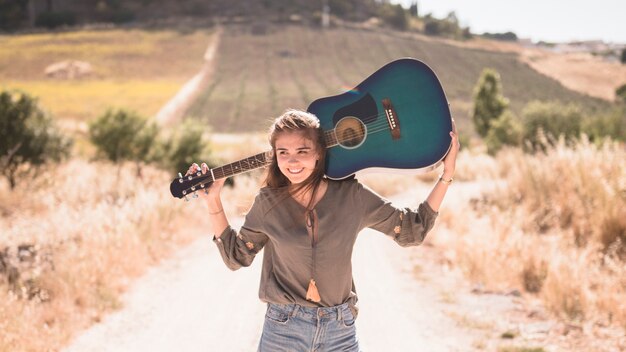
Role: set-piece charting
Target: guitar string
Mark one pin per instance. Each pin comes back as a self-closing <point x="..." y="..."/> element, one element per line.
<point x="374" y="127"/>
<point x="375" y="124"/>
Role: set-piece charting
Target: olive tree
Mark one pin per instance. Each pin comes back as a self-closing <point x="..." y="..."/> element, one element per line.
<point x="28" y="137"/>
<point x="121" y="135"/>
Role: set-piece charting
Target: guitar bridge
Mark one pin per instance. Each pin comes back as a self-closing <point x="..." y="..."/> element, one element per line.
<point x="392" y="119"/>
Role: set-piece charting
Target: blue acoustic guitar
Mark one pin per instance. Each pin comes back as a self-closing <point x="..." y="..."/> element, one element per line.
<point x="398" y="118"/>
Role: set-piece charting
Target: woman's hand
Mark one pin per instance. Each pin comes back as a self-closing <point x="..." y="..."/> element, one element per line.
<point x="219" y="222"/>
<point x="449" y="162"/>
<point x="212" y="195"/>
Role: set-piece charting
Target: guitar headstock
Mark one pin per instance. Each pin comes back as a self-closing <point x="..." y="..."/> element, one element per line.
<point x="189" y="185"/>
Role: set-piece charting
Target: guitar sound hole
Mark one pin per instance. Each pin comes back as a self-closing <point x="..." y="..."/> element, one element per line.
<point x="350" y="138"/>
<point x="350" y="132"/>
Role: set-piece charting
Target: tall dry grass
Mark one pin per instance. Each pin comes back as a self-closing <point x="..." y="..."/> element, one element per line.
<point x="555" y="228"/>
<point x="72" y="241"/>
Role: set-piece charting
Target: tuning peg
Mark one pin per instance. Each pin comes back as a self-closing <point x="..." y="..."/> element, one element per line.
<point x="206" y="191"/>
<point x="195" y="195"/>
<point x="186" y="199"/>
<point x="180" y="175"/>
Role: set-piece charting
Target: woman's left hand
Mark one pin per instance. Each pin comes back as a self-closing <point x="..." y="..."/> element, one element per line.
<point x="449" y="162"/>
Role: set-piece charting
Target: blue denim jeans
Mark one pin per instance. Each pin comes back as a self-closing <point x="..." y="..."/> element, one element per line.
<point x="294" y="328"/>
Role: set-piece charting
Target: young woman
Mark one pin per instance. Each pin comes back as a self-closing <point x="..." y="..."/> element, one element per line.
<point x="308" y="225"/>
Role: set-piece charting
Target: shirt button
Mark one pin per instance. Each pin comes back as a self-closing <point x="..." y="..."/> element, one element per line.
<point x="320" y="313"/>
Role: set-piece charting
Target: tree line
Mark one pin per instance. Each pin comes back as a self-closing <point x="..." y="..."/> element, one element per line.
<point x="24" y="14"/>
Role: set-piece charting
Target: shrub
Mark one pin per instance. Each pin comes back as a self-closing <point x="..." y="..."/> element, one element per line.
<point x="27" y="136"/>
<point x="620" y="93"/>
<point x="610" y="125"/>
<point x="12" y="14"/>
<point x="489" y="103"/>
<point x="187" y="145"/>
<point x="447" y="27"/>
<point x="55" y="19"/>
<point x="546" y="121"/>
<point x="184" y="147"/>
<point x="121" y="135"/>
<point x="395" y="16"/>
<point x="507" y="36"/>
<point x="505" y="130"/>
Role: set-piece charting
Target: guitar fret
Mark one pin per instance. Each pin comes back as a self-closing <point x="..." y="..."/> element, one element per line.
<point x="240" y="166"/>
<point x="330" y="138"/>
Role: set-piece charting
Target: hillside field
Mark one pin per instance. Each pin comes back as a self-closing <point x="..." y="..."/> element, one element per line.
<point x="257" y="75"/>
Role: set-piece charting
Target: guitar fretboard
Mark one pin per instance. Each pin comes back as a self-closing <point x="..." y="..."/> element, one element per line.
<point x="330" y="137"/>
<point x="241" y="166"/>
<point x="260" y="160"/>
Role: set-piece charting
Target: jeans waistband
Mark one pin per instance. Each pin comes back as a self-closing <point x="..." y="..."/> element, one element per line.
<point x="313" y="313"/>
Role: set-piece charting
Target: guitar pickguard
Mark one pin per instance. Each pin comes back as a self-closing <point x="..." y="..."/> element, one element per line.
<point x="364" y="109"/>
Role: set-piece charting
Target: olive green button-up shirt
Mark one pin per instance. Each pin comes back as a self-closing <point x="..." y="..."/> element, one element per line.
<point x="291" y="259"/>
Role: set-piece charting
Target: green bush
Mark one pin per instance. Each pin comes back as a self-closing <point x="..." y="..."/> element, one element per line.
<point x="395" y="16"/>
<point x="489" y="103"/>
<point x="507" y="36"/>
<point x="445" y="27"/>
<point x="55" y="19"/>
<point x="28" y="137"/>
<point x="546" y="121"/>
<point x="620" y="93"/>
<point x="610" y="125"/>
<point x="185" y="146"/>
<point x="505" y="130"/>
<point x="12" y="14"/>
<point x="121" y="135"/>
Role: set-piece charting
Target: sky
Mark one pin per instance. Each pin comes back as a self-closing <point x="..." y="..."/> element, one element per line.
<point x="547" y="20"/>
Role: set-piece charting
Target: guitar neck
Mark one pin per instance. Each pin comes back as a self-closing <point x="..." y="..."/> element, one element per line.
<point x="259" y="160"/>
<point x="330" y="138"/>
<point x="244" y="165"/>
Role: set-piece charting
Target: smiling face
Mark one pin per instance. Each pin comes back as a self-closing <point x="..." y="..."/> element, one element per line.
<point x="296" y="156"/>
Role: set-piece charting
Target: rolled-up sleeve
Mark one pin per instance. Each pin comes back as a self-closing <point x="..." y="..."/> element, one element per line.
<point x="408" y="227"/>
<point x="239" y="249"/>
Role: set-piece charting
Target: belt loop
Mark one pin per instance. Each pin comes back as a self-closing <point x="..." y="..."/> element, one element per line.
<point x="294" y="311"/>
<point x="339" y="313"/>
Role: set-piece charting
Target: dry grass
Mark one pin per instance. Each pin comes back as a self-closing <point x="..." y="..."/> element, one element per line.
<point x="85" y="233"/>
<point x="580" y="72"/>
<point x="556" y="230"/>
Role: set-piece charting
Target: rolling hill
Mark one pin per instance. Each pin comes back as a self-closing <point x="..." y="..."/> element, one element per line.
<point x="288" y="66"/>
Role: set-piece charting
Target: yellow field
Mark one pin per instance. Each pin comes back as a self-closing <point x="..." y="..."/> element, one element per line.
<point x="133" y="69"/>
<point x="84" y="100"/>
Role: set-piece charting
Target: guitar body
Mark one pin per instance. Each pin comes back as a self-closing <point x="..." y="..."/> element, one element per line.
<point x="398" y="118"/>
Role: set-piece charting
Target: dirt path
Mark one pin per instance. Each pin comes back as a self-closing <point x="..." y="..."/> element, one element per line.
<point x="174" y="110"/>
<point x="193" y="303"/>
